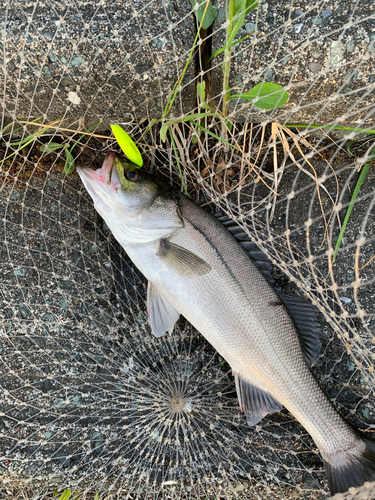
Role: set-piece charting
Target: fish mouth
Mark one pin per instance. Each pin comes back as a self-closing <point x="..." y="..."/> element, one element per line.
<point x="101" y="179"/>
<point x="102" y="174"/>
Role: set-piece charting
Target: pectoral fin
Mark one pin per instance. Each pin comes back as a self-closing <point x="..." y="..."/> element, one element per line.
<point x="163" y="315"/>
<point x="182" y="261"/>
<point x="254" y="402"/>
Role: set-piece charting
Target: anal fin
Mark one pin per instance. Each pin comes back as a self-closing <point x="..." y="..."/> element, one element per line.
<point x="254" y="402"/>
<point x="163" y="314"/>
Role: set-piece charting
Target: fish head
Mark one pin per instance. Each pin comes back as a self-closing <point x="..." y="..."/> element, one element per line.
<point x="119" y="186"/>
<point x="135" y="205"/>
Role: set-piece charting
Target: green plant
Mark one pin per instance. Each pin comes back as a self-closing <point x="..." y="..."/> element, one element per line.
<point x="204" y="16"/>
<point x="27" y="140"/>
<point x="70" y="160"/>
<point x="364" y="170"/>
<point x="265" y="95"/>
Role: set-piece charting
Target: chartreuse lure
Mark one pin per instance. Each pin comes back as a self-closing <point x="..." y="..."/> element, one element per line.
<point x="127" y="145"/>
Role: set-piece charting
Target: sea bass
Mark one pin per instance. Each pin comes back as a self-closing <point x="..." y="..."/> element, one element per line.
<point x="196" y="268"/>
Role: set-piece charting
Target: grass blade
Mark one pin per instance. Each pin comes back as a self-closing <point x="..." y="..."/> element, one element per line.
<point x="178" y="163"/>
<point x="360" y="180"/>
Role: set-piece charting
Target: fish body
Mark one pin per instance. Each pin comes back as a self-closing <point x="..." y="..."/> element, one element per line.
<point x="196" y="268"/>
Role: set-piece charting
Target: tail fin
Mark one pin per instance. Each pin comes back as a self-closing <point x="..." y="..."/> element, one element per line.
<point x="355" y="470"/>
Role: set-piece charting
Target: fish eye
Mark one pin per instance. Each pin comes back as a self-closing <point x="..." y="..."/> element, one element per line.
<point x="133" y="174"/>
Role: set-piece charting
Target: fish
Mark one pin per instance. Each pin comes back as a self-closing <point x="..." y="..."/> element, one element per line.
<point x="196" y="268"/>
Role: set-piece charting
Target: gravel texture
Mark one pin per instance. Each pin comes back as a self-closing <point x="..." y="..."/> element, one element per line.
<point x="95" y="59"/>
<point x="323" y="54"/>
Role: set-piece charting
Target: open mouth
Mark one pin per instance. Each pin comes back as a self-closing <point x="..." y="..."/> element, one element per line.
<point x="98" y="181"/>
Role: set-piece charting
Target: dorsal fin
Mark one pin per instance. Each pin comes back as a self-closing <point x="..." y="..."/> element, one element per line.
<point x="259" y="257"/>
<point x="305" y="316"/>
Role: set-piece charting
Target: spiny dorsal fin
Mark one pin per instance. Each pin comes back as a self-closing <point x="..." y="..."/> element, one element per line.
<point x="258" y="256"/>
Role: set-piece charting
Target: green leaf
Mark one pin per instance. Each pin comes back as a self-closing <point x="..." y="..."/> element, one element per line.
<point x="163" y="131"/>
<point x="178" y="162"/>
<point x="77" y="496"/>
<point x="219" y="51"/>
<point x="241" y="9"/>
<point x="65" y="495"/>
<point x="201" y="89"/>
<point x="52" y="146"/>
<point x="218" y="138"/>
<point x="211" y="12"/>
<point x="96" y="496"/>
<point x="268" y="95"/>
<point x="358" y="185"/>
<point x="245" y="6"/>
<point x="70" y="163"/>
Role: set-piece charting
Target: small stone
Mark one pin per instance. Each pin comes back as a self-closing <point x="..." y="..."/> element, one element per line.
<point x="8" y="313"/>
<point x="270" y="17"/>
<point x="250" y="28"/>
<point x="66" y="284"/>
<point x="315" y="67"/>
<point x="19" y="272"/>
<point x="47" y="434"/>
<point x="326" y="13"/>
<point x="63" y="60"/>
<point x="74" y="98"/>
<point x="15" y="196"/>
<point x="45" y="329"/>
<point x="350" y="46"/>
<point x="297" y="13"/>
<point x="366" y="412"/>
<point x="371" y="45"/>
<point x="69" y="240"/>
<point x="61" y="456"/>
<point x="47" y="317"/>
<point x="236" y="487"/>
<point x="316" y="54"/>
<point x="158" y="43"/>
<point x="67" y="82"/>
<point x="346" y="300"/>
<point x="46" y="71"/>
<point x="94" y="249"/>
<point x="25" y="311"/>
<point x="60" y="403"/>
<point x="337" y="53"/>
<point x="269" y="75"/>
<point x="76" y="61"/>
<point x="351" y="366"/>
<point x="317" y="20"/>
<point x="286" y="60"/>
<point x="50" y="186"/>
<point x="97" y="442"/>
<point x="63" y="304"/>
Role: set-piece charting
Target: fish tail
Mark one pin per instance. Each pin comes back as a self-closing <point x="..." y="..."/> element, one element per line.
<point x="353" y="468"/>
